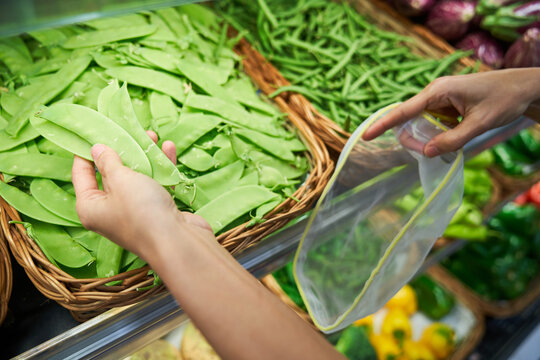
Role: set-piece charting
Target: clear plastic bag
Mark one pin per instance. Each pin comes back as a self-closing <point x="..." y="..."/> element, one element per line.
<point x="376" y="221"/>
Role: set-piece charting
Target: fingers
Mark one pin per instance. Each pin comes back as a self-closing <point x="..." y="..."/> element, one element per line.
<point x="169" y="149"/>
<point x="456" y="138"/>
<point x="399" y="115"/>
<point x="152" y="135"/>
<point x="83" y="176"/>
<point x="106" y="159"/>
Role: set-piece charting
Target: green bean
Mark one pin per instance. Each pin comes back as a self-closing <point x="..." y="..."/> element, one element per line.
<point x="36" y="165"/>
<point x="226" y="208"/>
<point x="446" y="62"/>
<point x="55" y="199"/>
<point x="341" y="64"/>
<point x="298" y="89"/>
<point x="27" y="205"/>
<point x="415" y="71"/>
<point x="105" y="131"/>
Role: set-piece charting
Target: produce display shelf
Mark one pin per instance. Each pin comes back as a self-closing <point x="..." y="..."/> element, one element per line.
<point x="118" y="332"/>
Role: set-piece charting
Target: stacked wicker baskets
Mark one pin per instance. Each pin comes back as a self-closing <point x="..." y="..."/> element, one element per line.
<point x="6" y="278"/>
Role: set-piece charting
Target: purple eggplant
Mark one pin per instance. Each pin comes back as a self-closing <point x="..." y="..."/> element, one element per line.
<point x="524" y="52"/>
<point x="451" y="18"/>
<point x="413" y="7"/>
<point x="508" y="22"/>
<point x="485" y="48"/>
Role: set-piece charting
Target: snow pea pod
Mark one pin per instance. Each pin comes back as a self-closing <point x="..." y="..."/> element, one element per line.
<point x="36" y="165"/>
<point x="12" y="58"/>
<point x="48" y="91"/>
<point x="249" y="152"/>
<point x="152" y="79"/>
<point x="197" y="74"/>
<point x="235" y="114"/>
<point x="8" y="142"/>
<point x="88" y="239"/>
<point x="60" y="246"/>
<point x="48" y="147"/>
<point x="53" y="198"/>
<point x="61" y="137"/>
<point x="117" y="22"/>
<point x="226" y="208"/>
<point x="197" y="159"/>
<point x="225" y="156"/>
<point x="28" y="206"/>
<point x="108" y="258"/>
<point x="121" y="111"/>
<point x="242" y="90"/>
<point x="48" y="37"/>
<point x="275" y="146"/>
<point x="189" y="129"/>
<point x="163" y="109"/>
<point x="142" y="110"/>
<point x="102" y="37"/>
<point x="210" y="186"/>
<point x="103" y="131"/>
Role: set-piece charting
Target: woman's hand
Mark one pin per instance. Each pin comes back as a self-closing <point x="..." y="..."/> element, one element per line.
<point x="485" y="100"/>
<point x="132" y="210"/>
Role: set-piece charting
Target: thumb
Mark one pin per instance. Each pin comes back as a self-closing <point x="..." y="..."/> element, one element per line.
<point x="106" y="159"/>
<point x="454" y="139"/>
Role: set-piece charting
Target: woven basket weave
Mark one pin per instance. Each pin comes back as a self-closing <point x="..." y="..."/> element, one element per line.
<point x="86" y="298"/>
<point x="6" y="278"/>
<point x="385" y="17"/>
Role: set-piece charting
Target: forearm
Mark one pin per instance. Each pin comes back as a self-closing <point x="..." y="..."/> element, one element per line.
<point x="532" y="88"/>
<point x="237" y="315"/>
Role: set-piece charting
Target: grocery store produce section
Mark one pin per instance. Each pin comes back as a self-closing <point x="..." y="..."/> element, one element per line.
<point x="258" y="98"/>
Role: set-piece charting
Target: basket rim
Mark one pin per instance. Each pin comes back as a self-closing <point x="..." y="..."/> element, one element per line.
<point x="86" y="298"/>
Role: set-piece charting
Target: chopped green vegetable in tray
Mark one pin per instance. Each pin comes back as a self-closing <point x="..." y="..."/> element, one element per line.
<point x="347" y="67"/>
<point x="106" y="81"/>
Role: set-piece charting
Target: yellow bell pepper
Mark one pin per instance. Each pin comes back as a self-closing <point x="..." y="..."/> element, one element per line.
<point x="367" y="322"/>
<point x="385" y="347"/>
<point x="440" y="338"/>
<point x="404" y="299"/>
<point x="414" y="350"/>
<point x="397" y="325"/>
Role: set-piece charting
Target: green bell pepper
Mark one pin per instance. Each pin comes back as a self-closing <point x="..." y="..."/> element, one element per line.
<point x="525" y="143"/>
<point x="511" y="161"/>
<point x="433" y="300"/>
<point x="520" y="219"/>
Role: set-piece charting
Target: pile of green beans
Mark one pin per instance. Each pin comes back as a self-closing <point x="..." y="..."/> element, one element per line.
<point x="347" y="67"/>
<point x="106" y="81"/>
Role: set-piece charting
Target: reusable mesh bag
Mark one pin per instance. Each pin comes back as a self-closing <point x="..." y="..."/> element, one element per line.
<point x="376" y="221"/>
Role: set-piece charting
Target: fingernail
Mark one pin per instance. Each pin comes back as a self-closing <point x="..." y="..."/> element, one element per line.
<point x="431" y="151"/>
<point x="97" y="150"/>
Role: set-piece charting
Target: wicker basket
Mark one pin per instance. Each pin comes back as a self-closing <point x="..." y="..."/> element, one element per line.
<point x="497" y="309"/>
<point x="6" y="277"/>
<point x="465" y="347"/>
<point x="425" y="44"/>
<point x="86" y="298"/>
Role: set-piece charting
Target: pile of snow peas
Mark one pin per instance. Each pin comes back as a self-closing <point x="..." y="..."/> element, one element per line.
<point x="347" y="67"/>
<point x="106" y="81"/>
